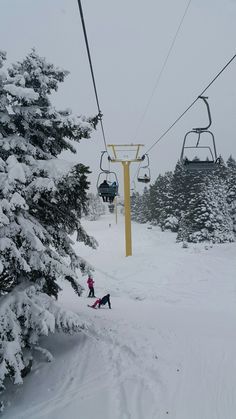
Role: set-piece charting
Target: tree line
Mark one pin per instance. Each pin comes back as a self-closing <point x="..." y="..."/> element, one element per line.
<point x="198" y="206"/>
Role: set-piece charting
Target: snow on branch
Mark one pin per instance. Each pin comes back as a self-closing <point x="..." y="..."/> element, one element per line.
<point x="21" y="92"/>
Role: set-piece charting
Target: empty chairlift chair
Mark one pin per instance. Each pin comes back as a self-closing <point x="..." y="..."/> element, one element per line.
<point x="144" y="174"/>
<point x="199" y="149"/>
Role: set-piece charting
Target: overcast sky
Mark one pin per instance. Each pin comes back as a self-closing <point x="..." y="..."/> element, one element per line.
<point x="129" y="41"/>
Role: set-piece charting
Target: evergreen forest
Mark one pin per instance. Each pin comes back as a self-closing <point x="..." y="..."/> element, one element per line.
<point x="199" y="206"/>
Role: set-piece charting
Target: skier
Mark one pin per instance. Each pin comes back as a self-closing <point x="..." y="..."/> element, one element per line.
<point x="104" y="195"/>
<point x="102" y="301"/>
<point x="90" y="283"/>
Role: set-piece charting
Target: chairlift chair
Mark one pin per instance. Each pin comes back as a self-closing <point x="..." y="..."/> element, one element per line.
<point x="110" y="189"/>
<point x="144" y="174"/>
<point x="198" y="163"/>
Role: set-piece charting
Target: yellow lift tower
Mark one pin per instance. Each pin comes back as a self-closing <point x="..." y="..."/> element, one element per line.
<point x="126" y="154"/>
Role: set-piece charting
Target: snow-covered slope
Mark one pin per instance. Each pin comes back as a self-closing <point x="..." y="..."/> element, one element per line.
<point x="166" y="349"/>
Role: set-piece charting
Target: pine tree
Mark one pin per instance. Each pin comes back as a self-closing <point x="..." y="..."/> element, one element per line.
<point x="143" y="215"/>
<point x="220" y="170"/>
<point x="52" y="192"/>
<point x="231" y="189"/>
<point x="140" y="206"/>
<point x="155" y="206"/>
<point x="186" y="187"/>
<point x="95" y="208"/>
<point x="161" y="202"/>
<point x="135" y="203"/>
<point x="41" y="202"/>
<point x="179" y="190"/>
<point x="207" y="217"/>
<point x="7" y="131"/>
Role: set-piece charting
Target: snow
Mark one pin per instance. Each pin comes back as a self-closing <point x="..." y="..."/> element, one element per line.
<point x="21" y="92"/>
<point x="16" y="170"/>
<point x="166" y="349"/>
<point x="55" y="167"/>
<point x="17" y="201"/>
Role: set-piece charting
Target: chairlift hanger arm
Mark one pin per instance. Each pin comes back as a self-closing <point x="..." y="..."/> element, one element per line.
<point x="101" y="159"/>
<point x="146" y="156"/>
<point x="204" y="98"/>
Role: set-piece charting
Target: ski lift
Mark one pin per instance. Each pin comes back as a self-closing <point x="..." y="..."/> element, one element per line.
<point x="144" y="174"/>
<point x="107" y="183"/>
<point x="203" y="141"/>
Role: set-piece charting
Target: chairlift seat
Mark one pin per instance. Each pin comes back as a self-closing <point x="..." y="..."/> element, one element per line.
<point x="108" y="191"/>
<point x="193" y="165"/>
<point x="144" y="179"/>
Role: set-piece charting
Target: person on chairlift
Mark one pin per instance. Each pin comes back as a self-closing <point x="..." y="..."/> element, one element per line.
<point x="113" y="190"/>
<point x="104" y="184"/>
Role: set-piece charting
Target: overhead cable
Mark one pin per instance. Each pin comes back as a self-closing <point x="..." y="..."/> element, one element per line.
<point x="91" y="70"/>
<point x="193" y="103"/>
<point x="161" y="71"/>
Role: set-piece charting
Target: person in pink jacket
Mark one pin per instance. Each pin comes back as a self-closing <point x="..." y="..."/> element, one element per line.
<point x="90" y="283"/>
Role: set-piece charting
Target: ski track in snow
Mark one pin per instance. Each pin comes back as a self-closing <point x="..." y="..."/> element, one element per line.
<point x="167" y="347"/>
<point x="128" y="372"/>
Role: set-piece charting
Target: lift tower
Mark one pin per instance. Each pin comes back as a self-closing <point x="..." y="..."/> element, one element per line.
<point x="126" y="154"/>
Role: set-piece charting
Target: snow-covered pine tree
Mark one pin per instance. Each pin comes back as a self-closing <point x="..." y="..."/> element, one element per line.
<point x="231" y="189"/>
<point x="53" y="190"/>
<point x="41" y="200"/>
<point x="155" y="204"/>
<point x="207" y="217"/>
<point x="6" y="130"/>
<point x="143" y="215"/>
<point x="140" y="206"/>
<point x="135" y="203"/>
<point x="95" y="208"/>
<point x="179" y="190"/>
<point x="221" y="170"/>
<point x="161" y="202"/>
<point x="186" y="188"/>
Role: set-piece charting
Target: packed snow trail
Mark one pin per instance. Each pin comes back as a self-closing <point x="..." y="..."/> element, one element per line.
<point x="166" y="349"/>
